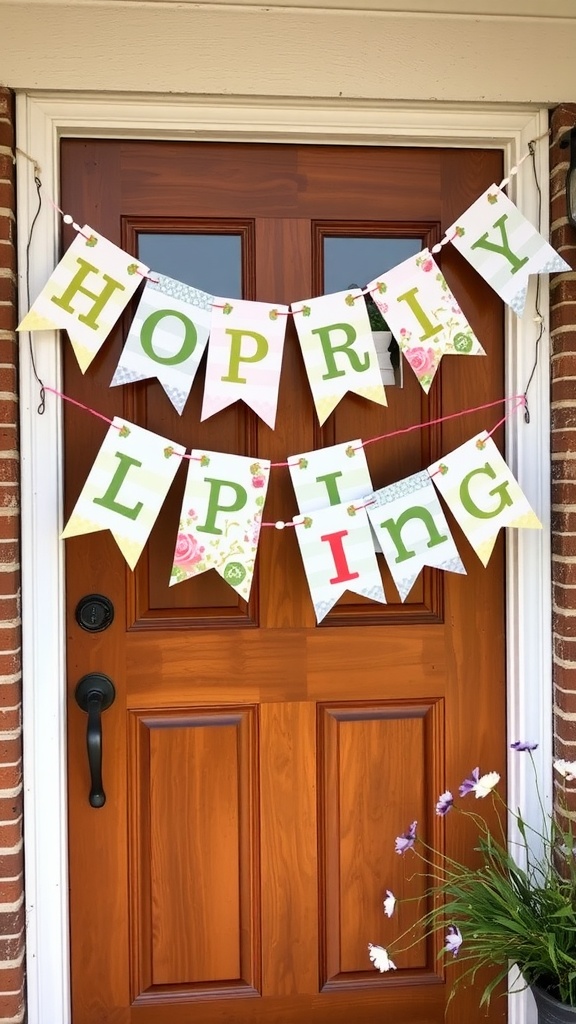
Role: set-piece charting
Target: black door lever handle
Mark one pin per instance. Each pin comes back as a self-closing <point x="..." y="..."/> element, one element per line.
<point x="94" y="693"/>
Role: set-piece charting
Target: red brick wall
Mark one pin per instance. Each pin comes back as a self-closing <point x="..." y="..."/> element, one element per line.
<point x="11" y="853"/>
<point x="563" y="425"/>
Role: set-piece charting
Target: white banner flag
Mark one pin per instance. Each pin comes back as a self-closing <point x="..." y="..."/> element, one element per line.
<point x="126" y="487"/>
<point x="338" y="555"/>
<point x="245" y="357"/>
<point x="503" y="246"/>
<point x="338" y="349"/>
<point x="481" y="493"/>
<point x="167" y="338"/>
<point x="412" y="529"/>
<point x="330" y="476"/>
<point x="221" y="518"/>
<point x="86" y="293"/>
<point x="424" y="315"/>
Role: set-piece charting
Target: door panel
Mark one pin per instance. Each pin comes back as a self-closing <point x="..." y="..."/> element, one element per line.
<point x="258" y="766"/>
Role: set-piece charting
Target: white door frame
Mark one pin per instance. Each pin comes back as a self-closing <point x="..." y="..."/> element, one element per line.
<point x="42" y="120"/>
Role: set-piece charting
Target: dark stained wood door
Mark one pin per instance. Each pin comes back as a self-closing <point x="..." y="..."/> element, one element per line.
<point x="258" y="766"/>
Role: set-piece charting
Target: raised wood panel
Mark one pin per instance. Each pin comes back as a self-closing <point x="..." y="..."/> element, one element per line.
<point x="194" y="837"/>
<point x="376" y="775"/>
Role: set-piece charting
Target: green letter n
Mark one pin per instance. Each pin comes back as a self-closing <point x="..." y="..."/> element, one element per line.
<point x="395" y="526"/>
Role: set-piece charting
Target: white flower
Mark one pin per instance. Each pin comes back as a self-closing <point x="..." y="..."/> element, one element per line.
<point x="567" y="769"/>
<point x="380" y="958"/>
<point x="486" y="784"/>
<point x="389" y="903"/>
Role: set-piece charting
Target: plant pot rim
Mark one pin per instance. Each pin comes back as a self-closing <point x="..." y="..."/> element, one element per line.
<point x="542" y="996"/>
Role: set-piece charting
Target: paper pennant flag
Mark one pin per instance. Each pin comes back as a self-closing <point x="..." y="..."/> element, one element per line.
<point x="167" y="338"/>
<point x="330" y="476"/>
<point x="245" y="357"/>
<point x="481" y="493"/>
<point x="126" y="487"/>
<point x="338" y="349"/>
<point x="338" y="555"/>
<point x="86" y="294"/>
<point x="412" y="529"/>
<point x="423" y="315"/>
<point x="221" y="518"/>
<point x="503" y="246"/>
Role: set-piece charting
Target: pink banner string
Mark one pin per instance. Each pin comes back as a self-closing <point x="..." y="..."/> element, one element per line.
<point x="519" y="400"/>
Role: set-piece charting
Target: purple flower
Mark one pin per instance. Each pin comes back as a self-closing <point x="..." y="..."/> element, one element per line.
<point x="406" y="840"/>
<point x="469" y="785"/>
<point x="523" y="745"/>
<point x="453" y="940"/>
<point x="445" y="803"/>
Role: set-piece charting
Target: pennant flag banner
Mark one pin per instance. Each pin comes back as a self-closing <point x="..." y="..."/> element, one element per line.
<point x="167" y="338"/>
<point x="175" y="322"/>
<point x="86" y="293"/>
<point x="412" y="529"/>
<point x="338" y="349"/>
<point x="221" y="518"/>
<point x="126" y="487"/>
<point x="330" y="476"/>
<point x="424" y="315"/>
<point x="245" y="357"/>
<point x="338" y="555"/>
<point x="503" y="246"/>
<point x="481" y="493"/>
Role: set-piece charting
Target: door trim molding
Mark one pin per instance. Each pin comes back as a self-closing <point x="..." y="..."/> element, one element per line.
<point x="43" y="118"/>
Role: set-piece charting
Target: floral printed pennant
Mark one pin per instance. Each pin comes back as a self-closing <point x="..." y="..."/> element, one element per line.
<point x="221" y="518"/>
<point x="423" y="315"/>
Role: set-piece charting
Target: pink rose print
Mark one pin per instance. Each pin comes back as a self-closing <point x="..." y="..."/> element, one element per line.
<point x="259" y="480"/>
<point x="422" y="360"/>
<point x="188" y="550"/>
<point x="427" y="265"/>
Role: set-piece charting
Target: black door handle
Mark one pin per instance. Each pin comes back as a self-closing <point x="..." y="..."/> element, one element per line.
<point x="94" y="693"/>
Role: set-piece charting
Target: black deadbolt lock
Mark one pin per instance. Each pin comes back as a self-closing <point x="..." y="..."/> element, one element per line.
<point x="94" y="613"/>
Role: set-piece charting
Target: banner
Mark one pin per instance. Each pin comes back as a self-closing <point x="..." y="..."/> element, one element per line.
<point x="221" y="518"/>
<point x="245" y="357"/>
<point x="409" y="522"/>
<point x="126" y="487"/>
<point x="86" y="293"/>
<point x="481" y="493"/>
<point x="338" y="555"/>
<point x="167" y="338"/>
<point x="330" y="476"/>
<point x="503" y="246"/>
<point x="423" y="315"/>
<point x="338" y="349"/>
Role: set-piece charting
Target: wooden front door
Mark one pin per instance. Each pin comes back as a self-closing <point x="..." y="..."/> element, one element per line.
<point x="258" y="767"/>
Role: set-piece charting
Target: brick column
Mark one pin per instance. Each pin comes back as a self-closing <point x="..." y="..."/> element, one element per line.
<point x="11" y="853"/>
<point x="563" y="426"/>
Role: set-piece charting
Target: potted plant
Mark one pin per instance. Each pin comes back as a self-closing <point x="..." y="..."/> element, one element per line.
<point x="510" y="907"/>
